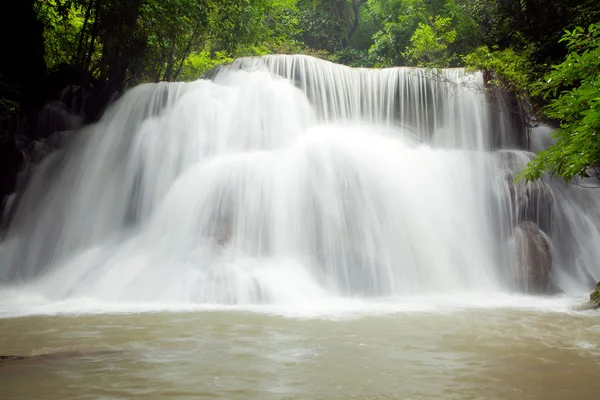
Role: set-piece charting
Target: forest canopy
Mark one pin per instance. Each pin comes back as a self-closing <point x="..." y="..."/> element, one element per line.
<point x="150" y="40"/>
<point x="109" y="45"/>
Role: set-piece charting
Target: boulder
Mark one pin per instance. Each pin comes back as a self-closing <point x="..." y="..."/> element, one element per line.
<point x="534" y="259"/>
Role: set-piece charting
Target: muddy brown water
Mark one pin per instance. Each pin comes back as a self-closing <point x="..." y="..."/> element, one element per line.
<point x="464" y="354"/>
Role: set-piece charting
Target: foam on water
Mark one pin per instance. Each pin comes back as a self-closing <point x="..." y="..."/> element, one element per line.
<point x="22" y="302"/>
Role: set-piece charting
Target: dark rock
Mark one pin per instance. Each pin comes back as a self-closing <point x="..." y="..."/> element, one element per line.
<point x="510" y="117"/>
<point x="12" y="358"/>
<point x="534" y="258"/>
<point x="534" y="201"/>
<point x="61" y="355"/>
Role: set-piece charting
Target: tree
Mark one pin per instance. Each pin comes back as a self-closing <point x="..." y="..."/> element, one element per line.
<point x="402" y="18"/>
<point x="405" y="18"/>
<point x="429" y="43"/>
<point x="355" y="18"/>
<point x="61" y="31"/>
<point x="329" y="24"/>
<point x="172" y="31"/>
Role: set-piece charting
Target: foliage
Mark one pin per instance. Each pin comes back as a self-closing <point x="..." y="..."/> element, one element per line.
<point x="197" y="64"/>
<point x="508" y="68"/>
<point x="576" y="82"/>
<point x="391" y="41"/>
<point x="429" y="43"/>
<point x="124" y="42"/>
<point x="171" y="29"/>
<point x="324" y="23"/>
<point x="9" y="103"/>
<point x="416" y="32"/>
<point x="354" y="58"/>
<point x="131" y="41"/>
<point x="281" y="23"/>
<point x="159" y="36"/>
<point x="61" y="28"/>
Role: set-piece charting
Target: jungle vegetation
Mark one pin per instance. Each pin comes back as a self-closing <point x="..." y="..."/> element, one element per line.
<point x="546" y="52"/>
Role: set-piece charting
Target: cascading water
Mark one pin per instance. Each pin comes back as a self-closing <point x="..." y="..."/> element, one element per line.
<point x="287" y="179"/>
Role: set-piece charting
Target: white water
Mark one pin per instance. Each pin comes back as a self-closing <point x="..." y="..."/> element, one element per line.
<point x="318" y="187"/>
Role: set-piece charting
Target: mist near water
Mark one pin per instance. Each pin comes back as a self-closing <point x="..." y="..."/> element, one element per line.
<point x="289" y="180"/>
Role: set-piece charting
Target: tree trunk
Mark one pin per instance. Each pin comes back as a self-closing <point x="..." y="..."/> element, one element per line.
<point x="94" y="35"/>
<point x="78" y="55"/>
<point x="186" y="53"/>
<point x="119" y="42"/>
<point x="356" y="5"/>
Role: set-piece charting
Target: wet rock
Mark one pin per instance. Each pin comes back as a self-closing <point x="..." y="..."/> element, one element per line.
<point x="594" y="302"/>
<point x="12" y="358"/>
<point x="534" y="201"/>
<point x="61" y="355"/>
<point x="534" y="259"/>
<point x="510" y="116"/>
<point x="529" y="201"/>
<point x="595" y="297"/>
<point x="55" y="117"/>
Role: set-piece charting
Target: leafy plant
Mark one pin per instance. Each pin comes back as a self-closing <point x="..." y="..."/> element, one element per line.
<point x="574" y="89"/>
<point x="508" y="69"/>
<point x="197" y="64"/>
<point x="429" y="43"/>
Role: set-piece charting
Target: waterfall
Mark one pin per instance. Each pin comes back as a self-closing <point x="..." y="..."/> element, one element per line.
<point x="290" y="179"/>
<point x="444" y="108"/>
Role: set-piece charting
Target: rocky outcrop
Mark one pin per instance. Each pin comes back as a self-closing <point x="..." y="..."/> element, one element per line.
<point x="534" y="259"/>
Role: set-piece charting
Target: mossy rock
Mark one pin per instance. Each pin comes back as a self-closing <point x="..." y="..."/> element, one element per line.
<point x="594" y="302"/>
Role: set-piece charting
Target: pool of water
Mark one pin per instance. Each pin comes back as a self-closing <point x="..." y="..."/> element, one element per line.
<point x="513" y="348"/>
